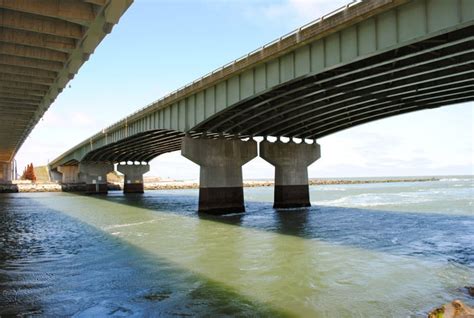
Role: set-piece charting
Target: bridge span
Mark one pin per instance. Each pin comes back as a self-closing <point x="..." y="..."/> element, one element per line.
<point x="369" y="60"/>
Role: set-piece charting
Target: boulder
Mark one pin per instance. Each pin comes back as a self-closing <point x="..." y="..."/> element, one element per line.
<point x="470" y="290"/>
<point x="455" y="309"/>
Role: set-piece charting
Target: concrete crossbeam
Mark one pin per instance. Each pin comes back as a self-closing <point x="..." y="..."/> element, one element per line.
<point x="34" y="39"/>
<point x="18" y="91"/>
<point x="19" y="102"/>
<point x="33" y="52"/>
<point x="26" y="86"/>
<point x="26" y="79"/>
<point x="133" y="177"/>
<point x="17" y="107"/>
<point x="31" y="63"/>
<point x="220" y="181"/>
<point x="25" y="71"/>
<point x="26" y="115"/>
<point x="291" y="161"/>
<point x="21" y="97"/>
<point x="33" y="23"/>
<point x="70" y="10"/>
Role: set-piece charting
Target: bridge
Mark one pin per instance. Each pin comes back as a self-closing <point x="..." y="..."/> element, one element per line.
<point x="366" y="61"/>
<point x="42" y="46"/>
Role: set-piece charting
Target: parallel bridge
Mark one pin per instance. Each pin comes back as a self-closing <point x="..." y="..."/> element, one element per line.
<point x="367" y="61"/>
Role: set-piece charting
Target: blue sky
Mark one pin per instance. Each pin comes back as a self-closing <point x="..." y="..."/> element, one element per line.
<point x="159" y="46"/>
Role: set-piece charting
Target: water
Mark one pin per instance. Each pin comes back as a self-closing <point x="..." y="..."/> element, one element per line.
<point x="368" y="250"/>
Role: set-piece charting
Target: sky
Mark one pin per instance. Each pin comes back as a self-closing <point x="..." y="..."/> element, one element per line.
<point x="159" y="46"/>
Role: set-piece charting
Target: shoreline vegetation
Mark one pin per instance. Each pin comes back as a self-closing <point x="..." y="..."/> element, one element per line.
<point x="153" y="184"/>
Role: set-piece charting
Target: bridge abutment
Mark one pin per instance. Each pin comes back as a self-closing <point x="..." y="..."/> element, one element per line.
<point x="95" y="176"/>
<point x="55" y="175"/>
<point x="220" y="181"/>
<point x="291" y="161"/>
<point x="69" y="174"/>
<point x="133" y="177"/>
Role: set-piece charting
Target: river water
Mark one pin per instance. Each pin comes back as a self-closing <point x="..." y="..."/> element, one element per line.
<point x="367" y="250"/>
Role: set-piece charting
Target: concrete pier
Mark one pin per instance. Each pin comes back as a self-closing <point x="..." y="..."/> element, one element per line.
<point x="95" y="176"/>
<point x="6" y="172"/>
<point x="221" y="161"/>
<point x="291" y="161"/>
<point x="133" y="177"/>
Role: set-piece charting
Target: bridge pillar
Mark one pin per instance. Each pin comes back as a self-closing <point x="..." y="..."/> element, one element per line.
<point x="221" y="161"/>
<point x="6" y="172"/>
<point x="133" y="177"/>
<point x="291" y="163"/>
<point x="69" y="174"/>
<point x="95" y="176"/>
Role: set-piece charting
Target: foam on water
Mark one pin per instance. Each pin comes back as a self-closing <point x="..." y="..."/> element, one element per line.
<point x="109" y="227"/>
<point x="373" y="200"/>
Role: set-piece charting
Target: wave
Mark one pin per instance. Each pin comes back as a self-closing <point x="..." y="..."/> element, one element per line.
<point x="330" y="188"/>
<point x="456" y="179"/>
<point x="371" y="200"/>
<point x="232" y="214"/>
<point x="115" y="226"/>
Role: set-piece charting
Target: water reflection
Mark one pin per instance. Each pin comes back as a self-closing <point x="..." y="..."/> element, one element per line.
<point x="293" y="222"/>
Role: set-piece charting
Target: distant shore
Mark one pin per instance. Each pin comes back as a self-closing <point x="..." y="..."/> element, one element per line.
<point x="169" y="185"/>
<point x="23" y="186"/>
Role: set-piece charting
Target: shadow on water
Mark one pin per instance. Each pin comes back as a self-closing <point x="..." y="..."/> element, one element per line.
<point x="440" y="237"/>
<point x="53" y="265"/>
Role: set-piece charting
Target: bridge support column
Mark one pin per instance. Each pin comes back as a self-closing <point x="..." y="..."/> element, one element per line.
<point x="70" y="174"/>
<point x="291" y="163"/>
<point x="221" y="161"/>
<point x="6" y="172"/>
<point x="133" y="177"/>
<point x="95" y="176"/>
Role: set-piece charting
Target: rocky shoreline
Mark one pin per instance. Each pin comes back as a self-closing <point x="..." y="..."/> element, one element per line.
<point x="175" y="185"/>
<point x="171" y="185"/>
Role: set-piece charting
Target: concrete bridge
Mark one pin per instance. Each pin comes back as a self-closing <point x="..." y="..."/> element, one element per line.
<point x="367" y="61"/>
<point x="42" y="46"/>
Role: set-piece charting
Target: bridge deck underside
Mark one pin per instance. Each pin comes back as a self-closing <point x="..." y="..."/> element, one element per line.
<point x="428" y="74"/>
<point x="42" y="46"/>
<point x="142" y="147"/>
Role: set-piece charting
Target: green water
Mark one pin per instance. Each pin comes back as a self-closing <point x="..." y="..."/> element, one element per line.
<point x="375" y="250"/>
